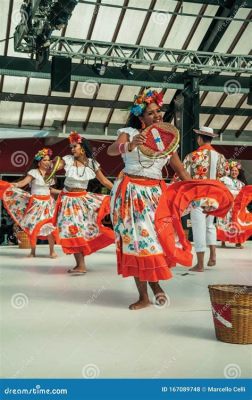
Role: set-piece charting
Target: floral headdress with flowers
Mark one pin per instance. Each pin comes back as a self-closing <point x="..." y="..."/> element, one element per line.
<point x="141" y="101"/>
<point x="233" y="164"/>
<point x="75" y="137"/>
<point x="43" y="153"/>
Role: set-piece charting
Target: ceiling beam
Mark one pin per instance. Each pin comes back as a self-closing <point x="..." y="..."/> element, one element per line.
<point x="113" y="104"/>
<point x="15" y="66"/>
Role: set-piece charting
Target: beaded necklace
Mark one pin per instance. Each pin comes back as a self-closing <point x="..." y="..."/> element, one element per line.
<point x="85" y="164"/>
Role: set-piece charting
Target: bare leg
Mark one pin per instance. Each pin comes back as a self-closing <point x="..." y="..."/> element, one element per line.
<point x="223" y="244"/>
<point x="33" y="252"/>
<point x="143" y="296"/>
<point x="212" y="258"/>
<point x="51" y="242"/>
<point x="199" y="267"/>
<point x="159" y="294"/>
<point x="80" y="264"/>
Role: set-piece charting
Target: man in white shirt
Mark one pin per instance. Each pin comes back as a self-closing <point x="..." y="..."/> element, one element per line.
<point x="204" y="163"/>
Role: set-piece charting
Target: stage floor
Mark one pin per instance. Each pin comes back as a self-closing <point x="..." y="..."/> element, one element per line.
<point x="58" y="326"/>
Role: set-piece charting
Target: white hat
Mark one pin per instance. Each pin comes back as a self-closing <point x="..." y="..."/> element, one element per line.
<point x="207" y="131"/>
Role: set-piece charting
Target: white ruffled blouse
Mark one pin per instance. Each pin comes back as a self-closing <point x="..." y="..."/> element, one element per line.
<point x="136" y="163"/>
<point x="78" y="177"/>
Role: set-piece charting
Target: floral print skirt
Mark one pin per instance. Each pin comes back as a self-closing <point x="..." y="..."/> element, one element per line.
<point x="78" y="217"/>
<point x="139" y="252"/>
<point x="33" y="213"/>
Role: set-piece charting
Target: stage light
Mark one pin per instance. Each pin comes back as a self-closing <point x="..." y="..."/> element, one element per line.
<point x="100" y="68"/>
<point x="127" y="71"/>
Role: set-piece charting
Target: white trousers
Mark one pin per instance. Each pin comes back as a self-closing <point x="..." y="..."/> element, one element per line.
<point x="204" y="231"/>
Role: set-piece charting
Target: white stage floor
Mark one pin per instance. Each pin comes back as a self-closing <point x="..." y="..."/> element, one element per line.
<point x="58" y="326"/>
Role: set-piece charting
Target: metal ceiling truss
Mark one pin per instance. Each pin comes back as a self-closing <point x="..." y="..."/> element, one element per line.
<point x="94" y="50"/>
<point x="14" y="66"/>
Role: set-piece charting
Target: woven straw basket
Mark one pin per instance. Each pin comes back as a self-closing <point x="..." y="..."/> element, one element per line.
<point x="23" y="240"/>
<point x="232" y="312"/>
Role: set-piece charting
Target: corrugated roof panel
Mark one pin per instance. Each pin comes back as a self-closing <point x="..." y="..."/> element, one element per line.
<point x="218" y="121"/>
<point x="14" y="84"/>
<point x="78" y="114"/>
<point x="128" y="93"/>
<point x="236" y="122"/>
<point x="54" y="113"/>
<point x="32" y="114"/>
<point x="38" y="86"/>
<point x="79" y="22"/>
<point x="203" y="118"/>
<point x="249" y="126"/>
<point x="202" y="28"/>
<point x="99" y="115"/>
<point x="212" y="99"/>
<point x="86" y="89"/>
<point x="107" y="92"/>
<point x="158" y="23"/>
<point x="232" y="99"/>
<point x="9" y="112"/>
<point x="131" y="26"/>
<point x="106" y="22"/>
<point x="231" y="32"/>
<point x="119" y="117"/>
<point x="180" y="29"/>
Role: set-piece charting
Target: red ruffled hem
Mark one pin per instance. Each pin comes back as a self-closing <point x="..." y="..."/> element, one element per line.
<point x="145" y="268"/>
<point x="85" y="247"/>
<point x="240" y="237"/>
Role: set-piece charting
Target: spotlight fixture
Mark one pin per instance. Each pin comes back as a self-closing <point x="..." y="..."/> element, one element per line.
<point x="100" y="68"/>
<point x="127" y="71"/>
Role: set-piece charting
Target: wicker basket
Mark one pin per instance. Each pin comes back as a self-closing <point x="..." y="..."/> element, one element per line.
<point x="23" y="240"/>
<point x="232" y="312"/>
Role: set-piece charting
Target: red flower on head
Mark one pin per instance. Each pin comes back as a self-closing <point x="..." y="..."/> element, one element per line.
<point x="75" y="137"/>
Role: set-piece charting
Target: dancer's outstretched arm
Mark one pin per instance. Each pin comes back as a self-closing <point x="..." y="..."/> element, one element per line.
<point x="104" y="181"/>
<point x="23" y="182"/>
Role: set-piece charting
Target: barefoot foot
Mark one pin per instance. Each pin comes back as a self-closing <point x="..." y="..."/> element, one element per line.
<point x="197" y="268"/>
<point x="31" y="255"/>
<point x="211" y="263"/>
<point x="140" y="304"/>
<point x="77" y="270"/>
<point x="53" y="255"/>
